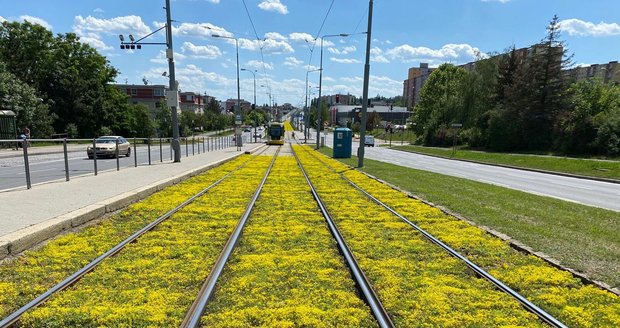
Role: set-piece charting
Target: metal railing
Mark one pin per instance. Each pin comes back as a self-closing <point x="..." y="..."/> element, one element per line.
<point x="65" y="146"/>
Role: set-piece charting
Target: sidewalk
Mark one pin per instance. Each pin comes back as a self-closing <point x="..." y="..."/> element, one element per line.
<point x="28" y="217"/>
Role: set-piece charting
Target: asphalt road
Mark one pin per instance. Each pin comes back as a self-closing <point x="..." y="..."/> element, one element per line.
<point x="588" y="192"/>
<point x="51" y="166"/>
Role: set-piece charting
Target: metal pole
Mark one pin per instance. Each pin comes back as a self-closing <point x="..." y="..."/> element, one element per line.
<point x="94" y="156"/>
<point x="306" y="112"/>
<point x="161" y="151"/>
<point x="148" y="146"/>
<point x="318" y="125"/>
<point x="26" y="164"/>
<point x="174" y="144"/>
<point x="360" y="149"/>
<point x="135" y="153"/>
<point x="118" y="164"/>
<point x="193" y="153"/>
<point x="238" y="112"/>
<point x="186" y="148"/>
<point x="64" y="150"/>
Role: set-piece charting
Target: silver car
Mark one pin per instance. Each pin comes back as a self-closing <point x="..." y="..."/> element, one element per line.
<point x="105" y="146"/>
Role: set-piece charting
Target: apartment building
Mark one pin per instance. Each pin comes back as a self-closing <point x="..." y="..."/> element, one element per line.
<point x="608" y="73"/>
<point x="147" y="95"/>
<point x="412" y="86"/>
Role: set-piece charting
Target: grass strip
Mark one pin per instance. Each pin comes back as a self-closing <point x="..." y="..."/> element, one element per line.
<point x="554" y="290"/>
<point x="289" y="264"/>
<point x="26" y="277"/>
<point x="579" y="166"/>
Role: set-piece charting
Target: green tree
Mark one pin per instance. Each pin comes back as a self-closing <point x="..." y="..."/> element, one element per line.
<point x="441" y="104"/>
<point x="163" y="120"/>
<point x="22" y="99"/>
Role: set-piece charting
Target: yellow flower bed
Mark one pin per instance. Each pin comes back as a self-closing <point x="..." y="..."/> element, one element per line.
<point x="554" y="290"/>
<point x="132" y="287"/>
<point x="287" y="126"/>
<point x="286" y="270"/>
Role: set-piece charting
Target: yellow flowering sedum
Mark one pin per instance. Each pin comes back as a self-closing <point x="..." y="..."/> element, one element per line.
<point x="554" y="290"/>
<point x="286" y="270"/>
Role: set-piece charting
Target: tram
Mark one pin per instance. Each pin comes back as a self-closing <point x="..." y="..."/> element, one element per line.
<point x="275" y="131"/>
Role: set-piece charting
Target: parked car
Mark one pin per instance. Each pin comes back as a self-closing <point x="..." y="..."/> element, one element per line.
<point x="257" y="135"/>
<point x="105" y="146"/>
<point x="369" y="141"/>
<point x="246" y="130"/>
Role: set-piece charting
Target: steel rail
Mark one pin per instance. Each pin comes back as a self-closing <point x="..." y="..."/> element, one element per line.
<point x="195" y="312"/>
<point x="14" y="317"/>
<point x="542" y="314"/>
<point x="364" y="285"/>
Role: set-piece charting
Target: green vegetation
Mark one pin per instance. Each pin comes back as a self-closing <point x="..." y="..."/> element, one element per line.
<point x="521" y="100"/>
<point x="586" y="167"/>
<point x="584" y="238"/>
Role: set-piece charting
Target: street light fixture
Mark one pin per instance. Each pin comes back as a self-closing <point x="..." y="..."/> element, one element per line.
<point x="238" y="115"/>
<point x="319" y="121"/>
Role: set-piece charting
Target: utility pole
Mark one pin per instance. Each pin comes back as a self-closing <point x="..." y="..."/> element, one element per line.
<point x="176" y="145"/>
<point x="360" y="149"/>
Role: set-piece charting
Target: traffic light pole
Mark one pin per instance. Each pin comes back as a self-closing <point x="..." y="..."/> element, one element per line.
<point x="176" y="145"/>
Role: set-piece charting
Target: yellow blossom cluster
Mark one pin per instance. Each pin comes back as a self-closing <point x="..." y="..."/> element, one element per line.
<point x="554" y="290"/>
<point x="286" y="270"/>
<point x="288" y="126"/>
<point x="152" y="281"/>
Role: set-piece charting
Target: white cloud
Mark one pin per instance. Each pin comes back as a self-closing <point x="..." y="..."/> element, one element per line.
<point x="119" y="25"/>
<point x="581" y="28"/>
<point x="345" y="60"/>
<point x="292" y="62"/>
<point x="269" y="46"/>
<point x="273" y="5"/>
<point x="214" y="1"/>
<point x="459" y="53"/>
<point x="344" y="51"/>
<point x="2" y="19"/>
<point x="161" y="57"/>
<point x="256" y="64"/>
<point x="376" y="55"/>
<point x="300" y="37"/>
<point x="98" y="11"/>
<point x="204" y="52"/>
<point x="35" y="20"/>
<point x="275" y="36"/>
<point x="201" y="30"/>
<point x="94" y="40"/>
<point x="500" y="1"/>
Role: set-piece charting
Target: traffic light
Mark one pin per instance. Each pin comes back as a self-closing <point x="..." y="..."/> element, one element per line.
<point x="253" y="106"/>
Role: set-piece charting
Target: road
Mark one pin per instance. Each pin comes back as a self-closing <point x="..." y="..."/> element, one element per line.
<point x="51" y="166"/>
<point x="588" y="192"/>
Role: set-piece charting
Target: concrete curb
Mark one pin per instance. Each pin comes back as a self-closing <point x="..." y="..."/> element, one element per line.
<point x="517" y="167"/>
<point x="24" y="239"/>
<point x="515" y="244"/>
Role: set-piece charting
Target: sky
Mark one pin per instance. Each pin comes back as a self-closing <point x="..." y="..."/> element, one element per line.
<point x="280" y="40"/>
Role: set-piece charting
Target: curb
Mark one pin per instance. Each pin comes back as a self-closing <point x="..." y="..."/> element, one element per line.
<point x="26" y="238"/>
<point x="515" y="244"/>
<point x="577" y="176"/>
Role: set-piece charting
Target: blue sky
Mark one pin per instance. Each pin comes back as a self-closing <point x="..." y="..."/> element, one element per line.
<point x="405" y="33"/>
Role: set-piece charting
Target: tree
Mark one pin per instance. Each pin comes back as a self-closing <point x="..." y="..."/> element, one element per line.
<point x="163" y="120"/>
<point x="22" y="99"/>
<point x="441" y="104"/>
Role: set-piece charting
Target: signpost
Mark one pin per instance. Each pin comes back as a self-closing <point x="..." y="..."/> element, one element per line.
<point x="457" y="126"/>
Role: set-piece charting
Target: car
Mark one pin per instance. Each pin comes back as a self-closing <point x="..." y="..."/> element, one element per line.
<point x="105" y="146"/>
<point x="369" y="141"/>
<point x="246" y="130"/>
<point x="257" y="135"/>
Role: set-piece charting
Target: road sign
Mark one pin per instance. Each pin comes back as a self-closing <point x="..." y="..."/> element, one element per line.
<point x="238" y="119"/>
<point x="457" y="125"/>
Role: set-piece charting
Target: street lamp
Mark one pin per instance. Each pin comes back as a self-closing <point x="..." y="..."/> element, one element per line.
<point x="360" y="149"/>
<point x="319" y="122"/>
<point x="254" y="105"/>
<point x="306" y="110"/>
<point x="238" y="111"/>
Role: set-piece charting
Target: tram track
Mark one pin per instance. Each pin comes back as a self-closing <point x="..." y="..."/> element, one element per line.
<point x="525" y="303"/>
<point x="71" y="280"/>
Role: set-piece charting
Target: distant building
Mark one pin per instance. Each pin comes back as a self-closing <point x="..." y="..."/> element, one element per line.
<point x="147" y="95"/>
<point x="194" y="102"/>
<point x="343" y="114"/>
<point x="412" y="86"/>
<point x="608" y="73"/>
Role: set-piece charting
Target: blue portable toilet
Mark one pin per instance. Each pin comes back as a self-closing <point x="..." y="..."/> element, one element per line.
<point x="343" y="139"/>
